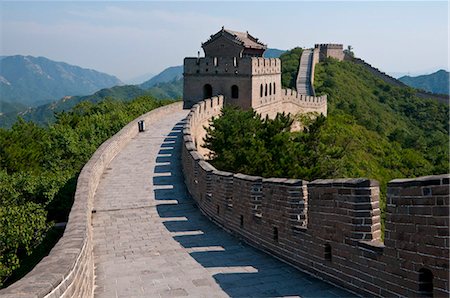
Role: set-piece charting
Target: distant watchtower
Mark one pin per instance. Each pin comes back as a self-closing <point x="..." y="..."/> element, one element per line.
<point x="234" y="67"/>
<point x="330" y="50"/>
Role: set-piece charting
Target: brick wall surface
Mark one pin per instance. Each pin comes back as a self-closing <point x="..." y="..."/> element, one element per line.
<point x="331" y="228"/>
<point x="68" y="270"/>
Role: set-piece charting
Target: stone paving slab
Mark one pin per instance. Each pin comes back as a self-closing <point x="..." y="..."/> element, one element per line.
<point x="151" y="241"/>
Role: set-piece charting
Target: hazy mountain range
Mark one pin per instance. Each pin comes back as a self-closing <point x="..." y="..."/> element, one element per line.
<point x="32" y="81"/>
<point x="45" y="114"/>
<point x="167" y="75"/>
<point x="36" y="88"/>
<point x="437" y="82"/>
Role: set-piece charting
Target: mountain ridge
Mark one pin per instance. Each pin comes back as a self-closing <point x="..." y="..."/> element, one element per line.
<point x="437" y="82"/>
<point x="45" y="114"/>
<point x="169" y="74"/>
<point x="33" y="81"/>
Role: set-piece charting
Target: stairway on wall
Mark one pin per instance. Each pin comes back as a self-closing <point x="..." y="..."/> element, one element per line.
<point x="303" y="83"/>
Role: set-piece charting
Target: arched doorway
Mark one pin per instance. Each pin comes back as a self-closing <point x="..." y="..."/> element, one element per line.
<point x="207" y="91"/>
<point x="234" y="91"/>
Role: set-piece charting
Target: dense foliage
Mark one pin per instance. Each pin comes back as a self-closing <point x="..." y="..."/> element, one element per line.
<point x="411" y="134"/>
<point x="240" y="141"/>
<point x="373" y="130"/>
<point x="290" y="62"/>
<point x="39" y="167"/>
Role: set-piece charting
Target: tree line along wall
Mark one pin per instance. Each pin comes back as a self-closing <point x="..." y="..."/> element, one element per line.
<point x="68" y="271"/>
<point x="330" y="228"/>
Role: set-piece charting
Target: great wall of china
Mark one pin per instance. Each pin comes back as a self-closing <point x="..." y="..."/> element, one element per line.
<point x="328" y="228"/>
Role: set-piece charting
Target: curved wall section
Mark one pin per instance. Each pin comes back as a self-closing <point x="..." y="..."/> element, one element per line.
<point x="330" y="228"/>
<point x="68" y="271"/>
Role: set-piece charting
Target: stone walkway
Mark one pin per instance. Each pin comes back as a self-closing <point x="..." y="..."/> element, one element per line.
<point x="151" y="241"/>
<point x="304" y="73"/>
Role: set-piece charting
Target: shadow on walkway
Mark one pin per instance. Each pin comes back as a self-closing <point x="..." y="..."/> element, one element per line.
<point x="240" y="270"/>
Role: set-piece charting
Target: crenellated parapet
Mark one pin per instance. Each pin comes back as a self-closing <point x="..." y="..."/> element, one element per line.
<point x="329" y="46"/>
<point x="331" y="227"/>
<point x="232" y="65"/>
<point x="304" y="100"/>
<point x="264" y="66"/>
<point x="292" y="102"/>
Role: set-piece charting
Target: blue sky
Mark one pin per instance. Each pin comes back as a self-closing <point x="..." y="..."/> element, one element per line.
<point x="128" y="39"/>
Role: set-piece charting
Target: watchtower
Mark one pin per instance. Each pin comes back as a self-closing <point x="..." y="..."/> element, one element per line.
<point x="234" y="67"/>
<point x="333" y="50"/>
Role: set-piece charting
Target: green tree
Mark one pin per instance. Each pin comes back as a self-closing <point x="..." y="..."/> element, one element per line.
<point x="290" y="61"/>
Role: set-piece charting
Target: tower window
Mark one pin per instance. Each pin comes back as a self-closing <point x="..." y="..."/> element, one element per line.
<point x="275" y="234"/>
<point x="207" y="91"/>
<point x="273" y="87"/>
<point x="261" y="91"/>
<point x="234" y="91"/>
<point x="270" y="89"/>
<point x="327" y="252"/>
<point x="426" y="282"/>
<point x="265" y="91"/>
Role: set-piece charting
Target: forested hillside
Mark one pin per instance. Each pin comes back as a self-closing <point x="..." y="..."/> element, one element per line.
<point x="38" y="172"/>
<point x="402" y="136"/>
<point x="372" y="130"/>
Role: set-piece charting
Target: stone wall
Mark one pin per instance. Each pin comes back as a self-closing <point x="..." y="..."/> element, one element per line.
<point x="296" y="103"/>
<point x="315" y="61"/>
<point x="68" y="271"/>
<point x="330" y="50"/>
<point x="330" y="228"/>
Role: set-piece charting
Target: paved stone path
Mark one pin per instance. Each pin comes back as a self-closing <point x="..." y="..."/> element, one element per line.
<point x="151" y="241"/>
<point x="304" y="73"/>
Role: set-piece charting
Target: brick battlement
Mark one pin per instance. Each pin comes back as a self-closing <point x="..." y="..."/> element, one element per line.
<point x="329" y="46"/>
<point x="231" y="65"/>
<point x="306" y="100"/>
<point x="292" y="102"/>
<point x="330" y="50"/>
<point x="330" y="228"/>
